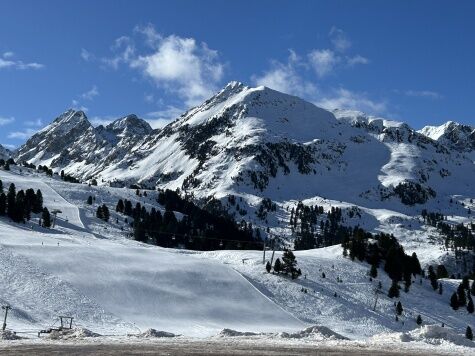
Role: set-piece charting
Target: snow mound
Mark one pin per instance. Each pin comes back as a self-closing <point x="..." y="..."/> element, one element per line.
<point x="429" y="334"/>
<point x="77" y="333"/>
<point x="315" y="332"/>
<point x="434" y="334"/>
<point x="156" y="333"/>
<point x="9" y="335"/>
<point x="234" y="333"/>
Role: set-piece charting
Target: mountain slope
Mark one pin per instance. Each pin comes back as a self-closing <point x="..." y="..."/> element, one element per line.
<point x="4" y="153"/>
<point x="256" y="143"/>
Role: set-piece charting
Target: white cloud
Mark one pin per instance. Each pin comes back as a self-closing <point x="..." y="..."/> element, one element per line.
<point x="90" y="94"/>
<point x="423" y="94"/>
<point x="152" y="37"/>
<point x="179" y="65"/>
<point x="101" y="120"/>
<point x="149" y="98"/>
<point x="9" y="146"/>
<point x="345" y="99"/>
<point x="76" y="105"/>
<point x="339" y="39"/>
<point x="284" y="77"/>
<point x="124" y="52"/>
<point x="35" y="123"/>
<point x="351" y="61"/>
<point x="323" y="61"/>
<point x="8" y="62"/>
<point x="86" y="55"/>
<point x="183" y="66"/>
<point x="6" y="120"/>
<point x="25" y="134"/>
<point x="161" y="118"/>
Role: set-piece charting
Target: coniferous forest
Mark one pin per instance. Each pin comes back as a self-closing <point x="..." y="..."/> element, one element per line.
<point x="206" y="228"/>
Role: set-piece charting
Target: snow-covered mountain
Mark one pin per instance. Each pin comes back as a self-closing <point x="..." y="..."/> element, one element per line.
<point x="452" y="134"/>
<point x="258" y="143"/>
<point x="4" y="153"/>
<point x="261" y="141"/>
<point x="72" y="143"/>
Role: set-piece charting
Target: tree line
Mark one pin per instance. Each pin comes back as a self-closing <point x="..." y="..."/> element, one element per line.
<point x="199" y="228"/>
<point x="19" y="206"/>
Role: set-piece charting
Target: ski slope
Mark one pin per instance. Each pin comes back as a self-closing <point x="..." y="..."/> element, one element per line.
<point x="120" y="286"/>
<point x="112" y="285"/>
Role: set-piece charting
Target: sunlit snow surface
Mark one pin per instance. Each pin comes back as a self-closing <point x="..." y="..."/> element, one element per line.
<point x="112" y="285"/>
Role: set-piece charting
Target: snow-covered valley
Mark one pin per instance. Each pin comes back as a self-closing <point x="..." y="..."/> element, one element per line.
<point x="89" y="269"/>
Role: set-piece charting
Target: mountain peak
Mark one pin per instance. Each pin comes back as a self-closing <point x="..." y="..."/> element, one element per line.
<point x="452" y="134"/>
<point x="130" y="124"/>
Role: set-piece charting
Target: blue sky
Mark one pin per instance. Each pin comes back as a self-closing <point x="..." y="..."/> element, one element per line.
<point x="406" y="60"/>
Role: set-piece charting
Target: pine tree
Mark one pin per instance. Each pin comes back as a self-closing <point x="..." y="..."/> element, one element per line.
<point x="128" y="208"/>
<point x="419" y="320"/>
<point x="399" y="308"/>
<point x="38" y="204"/>
<point x="433" y="278"/>
<point x="3" y="204"/>
<point x="99" y="212"/>
<point x="466" y="283"/>
<point x="415" y="264"/>
<point x="468" y="333"/>
<point x="18" y="214"/>
<point x="373" y="272"/>
<point x="1" y="186"/>
<point x="442" y="272"/>
<point x="277" y="266"/>
<point x="440" y="288"/>
<point x="120" y="206"/>
<point x="462" y="298"/>
<point x="268" y="267"/>
<point x="470" y="308"/>
<point x="46" y="217"/>
<point x="289" y="264"/>
<point x="393" y="291"/>
<point x="105" y="213"/>
<point x="11" y="199"/>
<point x="454" y="301"/>
<point x="89" y="200"/>
<point x="139" y="232"/>
<point x="472" y="289"/>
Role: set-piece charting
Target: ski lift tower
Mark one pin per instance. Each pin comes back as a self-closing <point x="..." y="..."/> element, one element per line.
<point x="55" y="213"/>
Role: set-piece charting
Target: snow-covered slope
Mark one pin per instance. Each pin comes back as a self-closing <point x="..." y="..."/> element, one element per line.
<point x="86" y="268"/>
<point x="115" y="285"/>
